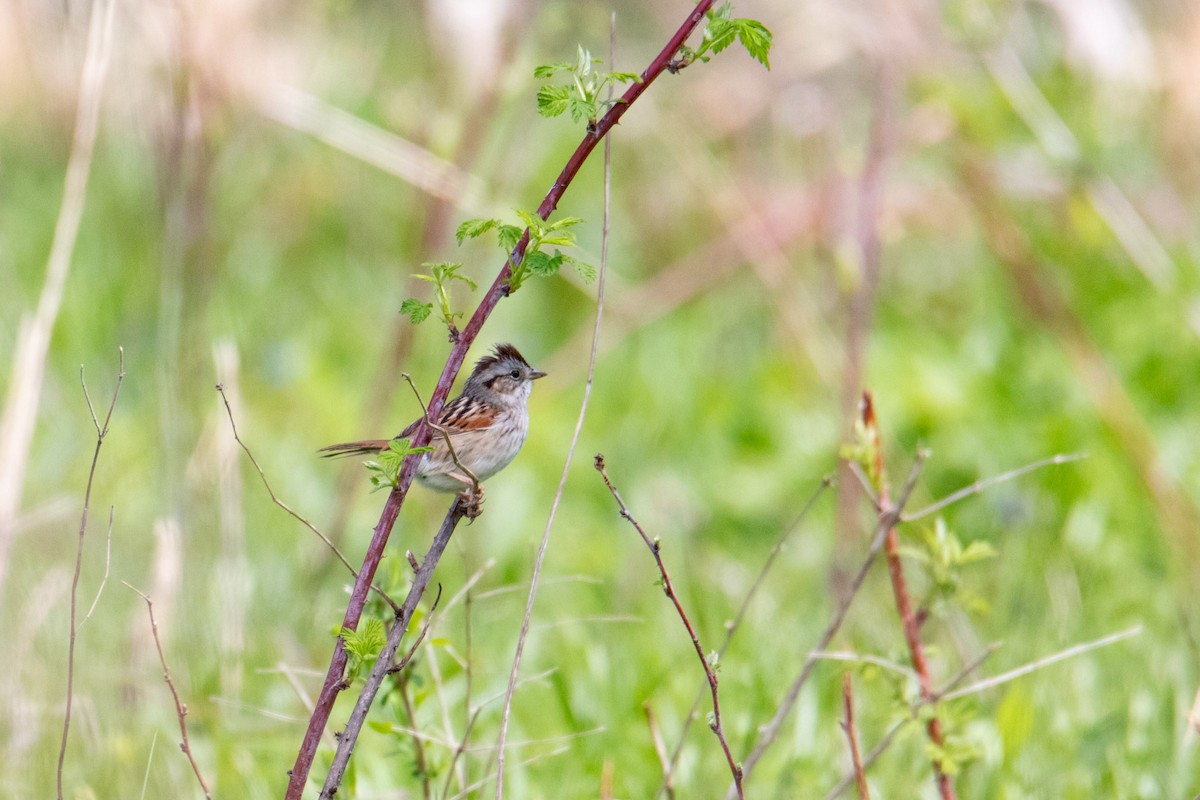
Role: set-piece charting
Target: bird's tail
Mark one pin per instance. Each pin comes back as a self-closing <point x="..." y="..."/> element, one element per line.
<point x="367" y="447"/>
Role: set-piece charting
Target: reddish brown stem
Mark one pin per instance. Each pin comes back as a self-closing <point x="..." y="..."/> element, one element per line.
<point x="669" y="589"/>
<point x="860" y="776"/>
<point x="908" y="618"/>
<point x="298" y="775"/>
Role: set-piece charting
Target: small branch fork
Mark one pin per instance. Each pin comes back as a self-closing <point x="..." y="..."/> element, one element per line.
<point x="908" y="617"/>
<point x="384" y="665"/>
<point x="458" y="352"/>
<point x="669" y="589"/>
<point x="101" y="432"/>
<point x="180" y="708"/>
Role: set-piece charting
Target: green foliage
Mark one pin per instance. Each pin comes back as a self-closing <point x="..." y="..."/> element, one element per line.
<point x="385" y="471"/>
<point x="535" y="261"/>
<point x="580" y="97"/>
<point x="442" y="274"/>
<point x="943" y="557"/>
<point x="363" y="645"/>
<point x="722" y="29"/>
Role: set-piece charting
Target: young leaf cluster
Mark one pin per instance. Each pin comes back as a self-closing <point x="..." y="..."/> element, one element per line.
<point x="721" y="30"/>
<point x="386" y="470"/>
<point x="442" y="274"/>
<point x="363" y="645"/>
<point x="943" y="557"/>
<point x="580" y="97"/>
<point x="535" y="261"/>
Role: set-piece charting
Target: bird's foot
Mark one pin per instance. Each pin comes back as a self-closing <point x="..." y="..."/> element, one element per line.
<point x="472" y="500"/>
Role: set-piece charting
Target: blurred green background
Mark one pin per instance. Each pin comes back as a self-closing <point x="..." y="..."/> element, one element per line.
<point x="983" y="211"/>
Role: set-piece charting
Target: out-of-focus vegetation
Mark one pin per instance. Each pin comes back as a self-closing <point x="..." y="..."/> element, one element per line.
<point x="266" y="179"/>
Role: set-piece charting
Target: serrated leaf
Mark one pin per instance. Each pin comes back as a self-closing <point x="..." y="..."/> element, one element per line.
<point x="553" y="101"/>
<point x="510" y="236"/>
<point x="586" y="270"/>
<point x="720" y="34"/>
<point x="565" y="222"/>
<point x="531" y="220"/>
<point x="417" y="311"/>
<point x="583" y="108"/>
<point x="756" y="38"/>
<point x="625" y="77"/>
<point x="539" y="263"/>
<point x="473" y="228"/>
<point x="548" y="70"/>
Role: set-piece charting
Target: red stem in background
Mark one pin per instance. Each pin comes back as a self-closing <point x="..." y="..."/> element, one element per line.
<point x="912" y="628"/>
<point x="298" y="776"/>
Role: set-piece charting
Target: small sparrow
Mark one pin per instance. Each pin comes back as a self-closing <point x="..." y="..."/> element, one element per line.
<point x="486" y="425"/>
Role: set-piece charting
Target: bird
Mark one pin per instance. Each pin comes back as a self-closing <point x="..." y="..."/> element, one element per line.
<point x="486" y="426"/>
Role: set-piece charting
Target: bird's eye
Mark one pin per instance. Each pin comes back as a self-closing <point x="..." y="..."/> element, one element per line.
<point x="515" y="374"/>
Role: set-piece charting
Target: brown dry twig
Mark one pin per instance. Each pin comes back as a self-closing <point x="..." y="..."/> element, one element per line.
<point x="733" y="626"/>
<point x="180" y="708"/>
<point x="669" y="589"/>
<point x="291" y="512"/>
<point x="101" y="432"/>
<point x="860" y="777"/>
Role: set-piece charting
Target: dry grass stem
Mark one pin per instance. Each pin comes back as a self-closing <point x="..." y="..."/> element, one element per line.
<point x="73" y="633"/>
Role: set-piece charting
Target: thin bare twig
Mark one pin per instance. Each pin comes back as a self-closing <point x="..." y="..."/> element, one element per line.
<point x="180" y="709"/>
<point x="733" y="627"/>
<point x="422" y="766"/>
<point x="107" y="566"/>
<point x="1062" y="655"/>
<point x="291" y="512"/>
<point x="412" y="651"/>
<point x="101" y="432"/>
<point x="860" y="776"/>
<point x="562" y="481"/>
<point x="655" y="549"/>
<point x="986" y="483"/>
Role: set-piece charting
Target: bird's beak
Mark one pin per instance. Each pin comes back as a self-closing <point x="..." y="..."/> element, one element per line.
<point x="534" y="374"/>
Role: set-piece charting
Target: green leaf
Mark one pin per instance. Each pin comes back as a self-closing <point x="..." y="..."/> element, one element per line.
<point x="565" y="222"/>
<point x="625" y="77"/>
<point x="531" y="220"/>
<point x="720" y="34"/>
<point x="474" y="228"/>
<point x="549" y="70"/>
<point x="417" y="311"/>
<point x="583" y="108"/>
<point x="756" y="38"/>
<point x="553" y="101"/>
<point x="586" y="270"/>
<point x="509" y="236"/>
<point x="543" y="264"/>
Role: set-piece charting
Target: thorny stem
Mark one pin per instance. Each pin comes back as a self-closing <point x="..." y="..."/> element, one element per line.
<point x="383" y="662"/>
<point x="458" y="352"/>
<point x="908" y="618"/>
<point x="669" y="589"/>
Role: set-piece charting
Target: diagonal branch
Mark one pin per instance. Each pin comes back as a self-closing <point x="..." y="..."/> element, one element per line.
<point x="458" y="352"/>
